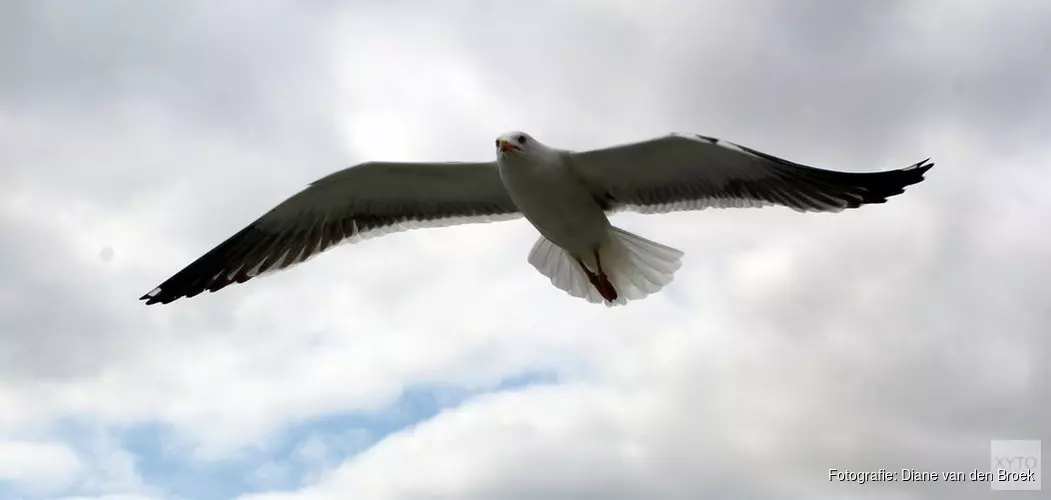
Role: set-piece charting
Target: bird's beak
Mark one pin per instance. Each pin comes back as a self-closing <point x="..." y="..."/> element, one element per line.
<point x="506" y="146"/>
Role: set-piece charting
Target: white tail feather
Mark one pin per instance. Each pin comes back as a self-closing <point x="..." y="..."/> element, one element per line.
<point x="634" y="265"/>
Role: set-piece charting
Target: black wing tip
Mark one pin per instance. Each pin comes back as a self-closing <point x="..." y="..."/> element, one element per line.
<point x="209" y="272"/>
<point x="874" y="188"/>
<point x="893" y="183"/>
<point x="182" y="285"/>
<point x="186" y="284"/>
<point x="915" y="172"/>
<point x="920" y="167"/>
<point x="159" y="296"/>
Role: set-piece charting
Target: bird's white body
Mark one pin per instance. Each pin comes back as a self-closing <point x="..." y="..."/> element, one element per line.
<point x="555" y="200"/>
<point x="578" y="249"/>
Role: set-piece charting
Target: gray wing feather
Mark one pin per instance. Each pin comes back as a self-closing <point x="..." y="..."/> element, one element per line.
<point x="349" y="205"/>
<point x="692" y="172"/>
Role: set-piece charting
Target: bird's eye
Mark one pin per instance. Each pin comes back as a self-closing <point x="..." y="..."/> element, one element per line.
<point x="498" y="143"/>
<point x="521" y="140"/>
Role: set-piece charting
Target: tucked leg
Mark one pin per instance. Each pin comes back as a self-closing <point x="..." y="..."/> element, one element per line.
<point x="599" y="279"/>
<point x="592" y="277"/>
<point x="608" y="291"/>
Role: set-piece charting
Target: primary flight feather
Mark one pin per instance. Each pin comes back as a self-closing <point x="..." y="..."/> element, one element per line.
<point x="565" y="195"/>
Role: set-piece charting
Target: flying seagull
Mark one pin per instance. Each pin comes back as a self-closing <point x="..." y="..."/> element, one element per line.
<point x="565" y="195"/>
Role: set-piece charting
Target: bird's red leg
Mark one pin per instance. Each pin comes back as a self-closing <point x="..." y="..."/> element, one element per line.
<point x="604" y="286"/>
<point x="592" y="277"/>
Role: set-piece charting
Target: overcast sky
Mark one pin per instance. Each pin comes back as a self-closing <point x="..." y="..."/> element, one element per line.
<point x="134" y="136"/>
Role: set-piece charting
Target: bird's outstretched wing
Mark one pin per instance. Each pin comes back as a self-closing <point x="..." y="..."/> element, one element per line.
<point x="351" y="204"/>
<point x="692" y="172"/>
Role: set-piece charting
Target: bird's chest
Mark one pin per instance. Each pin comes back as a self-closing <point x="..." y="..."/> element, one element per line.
<point x="557" y="203"/>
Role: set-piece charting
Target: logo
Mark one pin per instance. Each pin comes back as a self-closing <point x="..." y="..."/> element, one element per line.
<point x="1015" y="464"/>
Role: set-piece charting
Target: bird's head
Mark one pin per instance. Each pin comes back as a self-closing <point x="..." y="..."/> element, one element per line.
<point x="515" y="143"/>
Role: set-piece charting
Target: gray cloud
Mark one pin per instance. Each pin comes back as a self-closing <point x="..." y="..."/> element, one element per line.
<point x="904" y="335"/>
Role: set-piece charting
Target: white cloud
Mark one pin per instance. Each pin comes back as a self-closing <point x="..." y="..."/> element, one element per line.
<point x="40" y="467"/>
<point x="112" y="497"/>
<point x="703" y="407"/>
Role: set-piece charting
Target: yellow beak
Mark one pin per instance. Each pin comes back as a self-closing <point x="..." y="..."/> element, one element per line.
<point x="506" y="146"/>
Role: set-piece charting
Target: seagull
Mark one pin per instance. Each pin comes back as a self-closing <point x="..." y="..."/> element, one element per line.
<point x="567" y="196"/>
